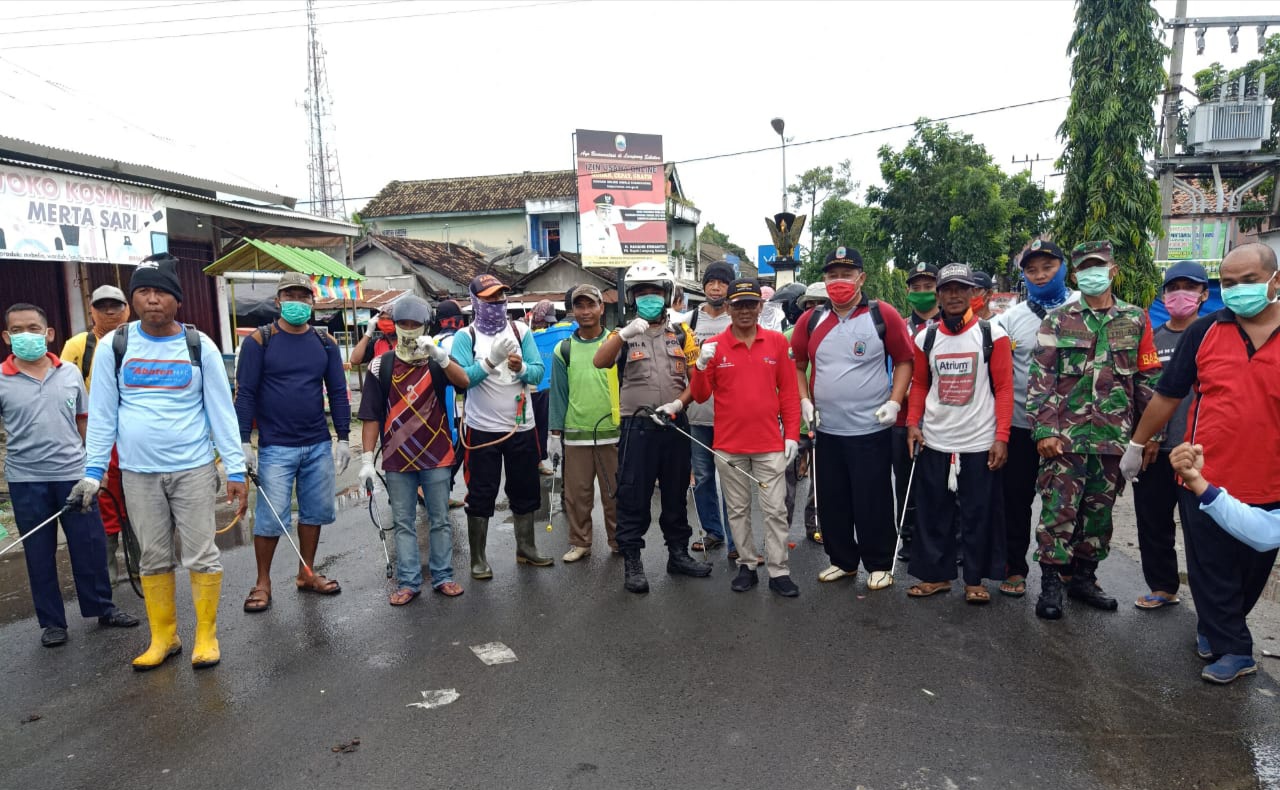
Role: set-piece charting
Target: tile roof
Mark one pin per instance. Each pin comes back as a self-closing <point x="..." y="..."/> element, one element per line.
<point x="454" y="261"/>
<point x="1182" y="204"/>
<point x="471" y="193"/>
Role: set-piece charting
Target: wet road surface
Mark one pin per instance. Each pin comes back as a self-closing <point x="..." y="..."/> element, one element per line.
<point x="690" y="686"/>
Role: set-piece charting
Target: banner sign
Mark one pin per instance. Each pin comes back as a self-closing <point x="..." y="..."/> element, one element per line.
<point x="57" y="217"/>
<point x="622" y="198"/>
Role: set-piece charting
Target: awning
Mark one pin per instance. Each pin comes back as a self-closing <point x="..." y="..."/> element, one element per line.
<point x="333" y="280"/>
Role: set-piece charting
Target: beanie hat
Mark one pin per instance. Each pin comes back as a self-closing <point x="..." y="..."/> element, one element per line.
<point x="449" y="315"/>
<point x="720" y="270"/>
<point x="157" y="271"/>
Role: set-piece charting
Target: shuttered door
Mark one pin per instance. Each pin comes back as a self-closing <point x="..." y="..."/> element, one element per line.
<point x="40" y="283"/>
<point x="199" y="295"/>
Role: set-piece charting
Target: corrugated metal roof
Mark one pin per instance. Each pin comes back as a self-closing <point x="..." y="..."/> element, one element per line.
<point x="263" y="256"/>
<point x="471" y="193"/>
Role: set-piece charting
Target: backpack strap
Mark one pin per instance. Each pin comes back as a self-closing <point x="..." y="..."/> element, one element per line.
<point x="564" y="351"/>
<point x="323" y="335"/>
<point x="930" y="337"/>
<point x="815" y="315"/>
<point x="193" y="344"/>
<point x="987" y="344"/>
<point x="264" y="335"/>
<point x="86" y="361"/>
<point x="873" y="307"/>
<point x="385" y="366"/>
<point x="1038" y="309"/>
<point x="693" y="320"/>
<point x="120" y="347"/>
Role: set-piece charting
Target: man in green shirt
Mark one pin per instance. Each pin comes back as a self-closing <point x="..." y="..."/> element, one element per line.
<point x="583" y="422"/>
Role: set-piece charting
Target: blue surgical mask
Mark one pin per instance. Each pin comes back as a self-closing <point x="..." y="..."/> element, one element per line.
<point x="650" y="306"/>
<point x="295" y="313"/>
<point x="1094" y="281"/>
<point x="1052" y="293"/>
<point x="1245" y="300"/>
<point x="28" y="346"/>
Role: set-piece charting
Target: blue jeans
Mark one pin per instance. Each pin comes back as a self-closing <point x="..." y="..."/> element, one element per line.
<point x="281" y="469"/>
<point x="712" y="514"/>
<point x="86" y="543"/>
<point x="402" y="488"/>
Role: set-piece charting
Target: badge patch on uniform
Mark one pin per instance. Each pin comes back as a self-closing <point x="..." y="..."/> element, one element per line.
<point x="860" y="348"/>
<point x="634" y="355"/>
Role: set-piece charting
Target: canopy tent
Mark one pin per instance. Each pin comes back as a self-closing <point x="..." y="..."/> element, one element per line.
<point x="256" y="260"/>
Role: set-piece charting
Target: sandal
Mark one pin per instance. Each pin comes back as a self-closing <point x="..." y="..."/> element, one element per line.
<point x="1014" y="586"/>
<point x="319" y="585"/>
<point x="259" y="600"/>
<point x="1156" y="600"/>
<point x="403" y="596"/>
<point x="976" y="595"/>
<point x="451" y="589"/>
<point x="925" y="589"/>
<point x="706" y="544"/>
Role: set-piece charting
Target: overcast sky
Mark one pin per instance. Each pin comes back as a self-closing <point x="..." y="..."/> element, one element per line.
<point x="474" y="88"/>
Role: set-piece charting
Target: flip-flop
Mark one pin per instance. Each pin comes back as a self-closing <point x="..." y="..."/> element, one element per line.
<point x="926" y="589"/>
<point x="1014" y="589"/>
<point x="330" y="587"/>
<point x="257" y="603"/>
<point x="976" y="595"/>
<point x="451" y="589"/>
<point x="403" y="596"/>
<point x="1156" y="601"/>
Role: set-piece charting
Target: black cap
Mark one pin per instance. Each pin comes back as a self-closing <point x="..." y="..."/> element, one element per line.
<point x="744" y="289"/>
<point x="158" y="271"/>
<point x="956" y="273"/>
<point x="449" y="315"/>
<point x="1041" y="247"/>
<point x="604" y="199"/>
<point x="983" y="280"/>
<point x="843" y="256"/>
<point x="720" y="270"/>
<point x="923" y="270"/>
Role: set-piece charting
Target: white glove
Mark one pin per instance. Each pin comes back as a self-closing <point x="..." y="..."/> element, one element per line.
<point x="83" y="493"/>
<point x="635" y="329"/>
<point x="250" y="457"/>
<point x="790" y="448"/>
<point x="341" y="456"/>
<point x="366" y="475"/>
<point x="1131" y="461"/>
<point x="555" y="447"/>
<point x="666" y="413"/>
<point x="807" y="412"/>
<point x="888" y="413"/>
<point x="436" y="353"/>
<point x="707" y="354"/>
<point x="498" y="352"/>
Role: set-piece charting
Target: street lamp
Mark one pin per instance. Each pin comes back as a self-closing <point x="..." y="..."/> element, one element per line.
<point x="778" y="126"/>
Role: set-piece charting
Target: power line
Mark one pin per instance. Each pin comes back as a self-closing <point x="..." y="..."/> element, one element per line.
<point x="190" y="19"/>
<point x="292" y="26"/>
<point x="108" y="10"/>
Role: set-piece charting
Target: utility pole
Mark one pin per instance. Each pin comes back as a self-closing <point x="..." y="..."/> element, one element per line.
<point x="1173" y="90"/>
<point x="1029" y="161"/>
<point x="322" y="167"/>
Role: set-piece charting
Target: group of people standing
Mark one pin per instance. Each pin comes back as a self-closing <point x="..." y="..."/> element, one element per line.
<point x="927" y="438"/>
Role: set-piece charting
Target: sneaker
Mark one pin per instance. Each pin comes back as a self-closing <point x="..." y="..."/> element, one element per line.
<point x="1228" y="668"/>
<point x="745" y="580"/>
<point x="835" y="572"/>
<point x="53" y="636"/>
<point x="878" y="580"/>
<point x="1203" y="650"/>
<point x="782" y="585"/>
<point x="118" y="619"/>
<point x="576" y="553"/>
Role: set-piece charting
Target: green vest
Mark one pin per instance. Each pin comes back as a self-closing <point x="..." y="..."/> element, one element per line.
<point x="592" y="410"/>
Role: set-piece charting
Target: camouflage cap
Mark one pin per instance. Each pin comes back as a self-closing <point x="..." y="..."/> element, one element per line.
<point x="1090" y="250"/>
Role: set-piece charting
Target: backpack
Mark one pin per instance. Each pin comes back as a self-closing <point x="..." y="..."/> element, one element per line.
<point x="120" y="346"/>
<point x="386" y="367"/>
<point x="931" y="335"/>
<point x="267" y="330"/>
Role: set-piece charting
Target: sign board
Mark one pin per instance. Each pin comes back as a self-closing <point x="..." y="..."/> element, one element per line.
<point x="622" y="198"/>
<point x="767" y="253"/>
<point x="52" y="216"/>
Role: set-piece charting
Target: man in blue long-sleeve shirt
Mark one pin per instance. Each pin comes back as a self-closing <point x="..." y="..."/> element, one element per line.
<point x="284" y="370"/>
<point x="159" y="406"/>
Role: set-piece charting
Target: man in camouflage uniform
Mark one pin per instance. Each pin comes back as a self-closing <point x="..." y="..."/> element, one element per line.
<point x="1091" y="376"/>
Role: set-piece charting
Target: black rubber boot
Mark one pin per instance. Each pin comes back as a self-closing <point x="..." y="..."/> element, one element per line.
<point x="1049" y="607"/>
<point x="1084" y="587"/>
<point x="634" y="580"/>
<point x="526" y="548"/>
<point x="679" y="562"/>
<point x="477" y="536"/>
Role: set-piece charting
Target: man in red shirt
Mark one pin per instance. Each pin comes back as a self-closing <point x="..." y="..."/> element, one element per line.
<point x="1230" y="360"/>
<point x="749" y="370"/>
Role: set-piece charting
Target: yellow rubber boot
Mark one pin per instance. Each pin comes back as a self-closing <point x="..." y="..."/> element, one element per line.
<point x="163" y="619"/>
<point x="206" y="589"/>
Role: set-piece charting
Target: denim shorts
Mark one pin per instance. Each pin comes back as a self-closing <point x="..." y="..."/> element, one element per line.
<point x="281" y="469"/>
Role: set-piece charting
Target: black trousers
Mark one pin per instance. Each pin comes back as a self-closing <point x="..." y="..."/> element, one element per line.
<point x="976" y="502"/>
<point x="541" y="413"/>
<point x="651" y="454"/>
<point x="855" y="499"/>
<point x="1155" y="495"/>
<point x="518" y="456"/>
<point x="901" y="476"/>
<point x="1226" y="578"/>
<point x="1018" y="493"/>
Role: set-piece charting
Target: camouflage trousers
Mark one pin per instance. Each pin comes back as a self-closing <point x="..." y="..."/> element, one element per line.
<point x="1077" y="493"/>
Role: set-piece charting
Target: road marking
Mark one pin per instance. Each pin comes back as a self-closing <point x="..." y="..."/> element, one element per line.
<point x="494" y="653"/>
<point x="435" y="699"/>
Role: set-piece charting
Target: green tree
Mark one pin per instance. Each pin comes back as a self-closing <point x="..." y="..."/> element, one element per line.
<point x="848" y="223"/>
<point x="816" y="186"/>
<point x="944" y="200"/>
<point x="1116" y="75"/>
<point x="711" y="235"/>
<point x="1030" y="214"/>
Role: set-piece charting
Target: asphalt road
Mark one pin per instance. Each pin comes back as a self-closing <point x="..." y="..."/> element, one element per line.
<point x="691" y="685"/>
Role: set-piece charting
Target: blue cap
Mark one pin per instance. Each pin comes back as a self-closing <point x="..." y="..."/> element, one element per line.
<point x="1186" y="270"/>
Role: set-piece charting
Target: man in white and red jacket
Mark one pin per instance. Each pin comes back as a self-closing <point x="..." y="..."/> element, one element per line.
<point x="961" y="404"/>
<point x="757" y="429"/>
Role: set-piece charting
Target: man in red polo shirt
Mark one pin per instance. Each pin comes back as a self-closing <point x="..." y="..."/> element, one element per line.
<point x="750" y="371"/>
<point x="1231" y="361"/>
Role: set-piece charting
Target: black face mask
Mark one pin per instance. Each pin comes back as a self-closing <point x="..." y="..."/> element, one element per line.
<point x="953" y="323"/>
<point x="716" y="303"/>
